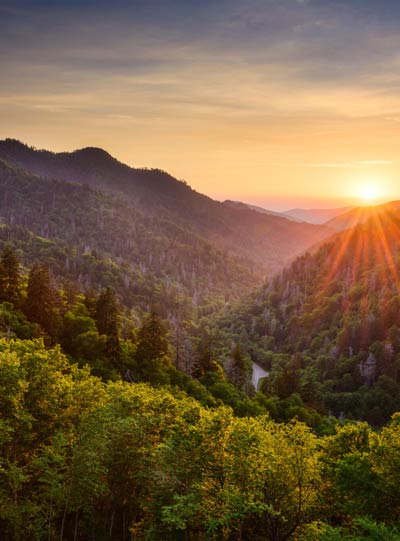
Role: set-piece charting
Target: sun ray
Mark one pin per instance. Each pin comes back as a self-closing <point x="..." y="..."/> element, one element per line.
<point x="387" y="253"/>
<point x="341" y="252"/>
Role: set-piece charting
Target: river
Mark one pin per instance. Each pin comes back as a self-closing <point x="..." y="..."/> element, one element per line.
<point x="257" y="374"/>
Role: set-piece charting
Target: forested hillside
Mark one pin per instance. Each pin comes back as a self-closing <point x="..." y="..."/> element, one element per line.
<point x="360" y="215"/>
<point x="176" y="362"/>
<point x="82" y="459"/>
<point x="328" y="327"/>
<point x="269" y="241"/>
<point x="127" y="336"/>
<point x="96" y="329"/>
<point x="98" y="240"/>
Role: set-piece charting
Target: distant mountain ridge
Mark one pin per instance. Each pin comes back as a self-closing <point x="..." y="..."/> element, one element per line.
<point x="267" y="240"/>
<point x="312" y="216"/>
<point x="261" y="210"/>
<point x="316" y="216"/>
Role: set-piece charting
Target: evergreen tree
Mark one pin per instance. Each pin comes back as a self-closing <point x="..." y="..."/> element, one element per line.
<point x="90" y="301"/>
<point x="205" y="362"/>
<point x="42" y="302"/>
<point x="107" y="322"/>
<point x="238" y="371"/>
<point x="10" y="277"/>
<point x="3" y="283"/>
<point x="152" y="348"/>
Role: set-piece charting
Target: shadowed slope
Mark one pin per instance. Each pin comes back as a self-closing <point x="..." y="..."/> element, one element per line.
<point x="270" y="241"/>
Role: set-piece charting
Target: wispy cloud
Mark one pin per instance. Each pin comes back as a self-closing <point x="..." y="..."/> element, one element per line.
<point x="349" y="165"/>
<point x="260" y="86"/>
<point x="334" y="165"/>
<point x="266" y="56"/>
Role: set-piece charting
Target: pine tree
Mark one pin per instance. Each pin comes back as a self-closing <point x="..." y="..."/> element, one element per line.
<point x="43" y="301"/>
<point x="238" y="371"/>
<point x="107" y="322"/>
<point x="3" y="283"/>
<point x="152" y="348"/>
<point x="204" y="362"/>
<point x="152" y="340"/>
<point x="90" y="301"/>
<point x="10" y="276"/>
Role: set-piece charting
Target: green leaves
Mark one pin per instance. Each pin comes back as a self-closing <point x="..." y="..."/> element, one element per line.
<point x="10" y="276"/>
<point x="43" y="300"/>
<point x="79" y="456"/>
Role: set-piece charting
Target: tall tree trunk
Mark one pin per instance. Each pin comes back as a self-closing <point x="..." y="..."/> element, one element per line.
<point x="63" y="519"/>
<point x="76" y="525"/>
<point x="112" y="523"/>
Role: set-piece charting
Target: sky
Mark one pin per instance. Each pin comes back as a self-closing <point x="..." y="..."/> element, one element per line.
<point x="279" y="103"/>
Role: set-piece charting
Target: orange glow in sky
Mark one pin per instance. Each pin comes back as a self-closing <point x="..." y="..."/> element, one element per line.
<point x="370" y="193"/>
<point x="278" y="103"/>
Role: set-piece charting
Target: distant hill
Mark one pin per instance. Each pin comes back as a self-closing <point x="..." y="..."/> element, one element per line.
<point x="316" y="216"/>
<point x="360" y="215"/>
<point x="266" y="240"/>
<point x="240" y="205"/>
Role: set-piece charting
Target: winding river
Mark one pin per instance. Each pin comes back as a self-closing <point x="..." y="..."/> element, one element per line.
<point x="257" y="374"/>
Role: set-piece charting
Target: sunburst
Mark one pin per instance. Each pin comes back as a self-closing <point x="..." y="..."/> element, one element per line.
<point x="369" y="193"/>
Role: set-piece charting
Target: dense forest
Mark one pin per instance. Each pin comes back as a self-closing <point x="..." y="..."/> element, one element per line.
<point x="95" y="329"/>
<point x="328" y="327"/>
<point x="128" y="333"/>
<point x="98" y="240"/>
<point x="83" y="459"/>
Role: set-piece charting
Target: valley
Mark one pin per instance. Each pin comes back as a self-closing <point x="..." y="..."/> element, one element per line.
<point x="220" y="322"/>
<point x="199" y="270"/>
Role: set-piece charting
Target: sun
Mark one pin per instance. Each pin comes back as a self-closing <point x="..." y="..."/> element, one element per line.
<point x="369" y="193"/>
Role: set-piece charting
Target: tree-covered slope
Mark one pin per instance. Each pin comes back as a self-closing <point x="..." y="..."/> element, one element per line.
<point x="359" y="215"/>
<point x="83" y="459"/>
<point x="270" y="241"/>
<point x="98" y="240"/>
<point x="328" y="327"/>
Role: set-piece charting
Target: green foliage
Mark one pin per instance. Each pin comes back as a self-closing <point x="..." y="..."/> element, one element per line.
<point x="43" y="301"/>
<point x="80" y="337"/>
<point x="82" y="458"/>
<point x="10" y="276"/>
<point x="327" y="328"/>
<point x="151" y="357"/>
<point x="239" y="368"/>
<point x="107" y="322"/>
<point x="101" y="240"/>
<point x="13" y="323"/>
<point x="363" y="529"/>
<point x="164" y="455"/>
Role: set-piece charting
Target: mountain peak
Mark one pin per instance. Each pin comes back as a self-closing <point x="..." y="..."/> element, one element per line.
<point x="14" y="144"/>
<point x="93" y="153"/>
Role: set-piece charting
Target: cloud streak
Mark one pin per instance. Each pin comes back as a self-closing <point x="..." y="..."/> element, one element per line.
<point x="313" y="84"/>
<point x="336" y="165"/>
